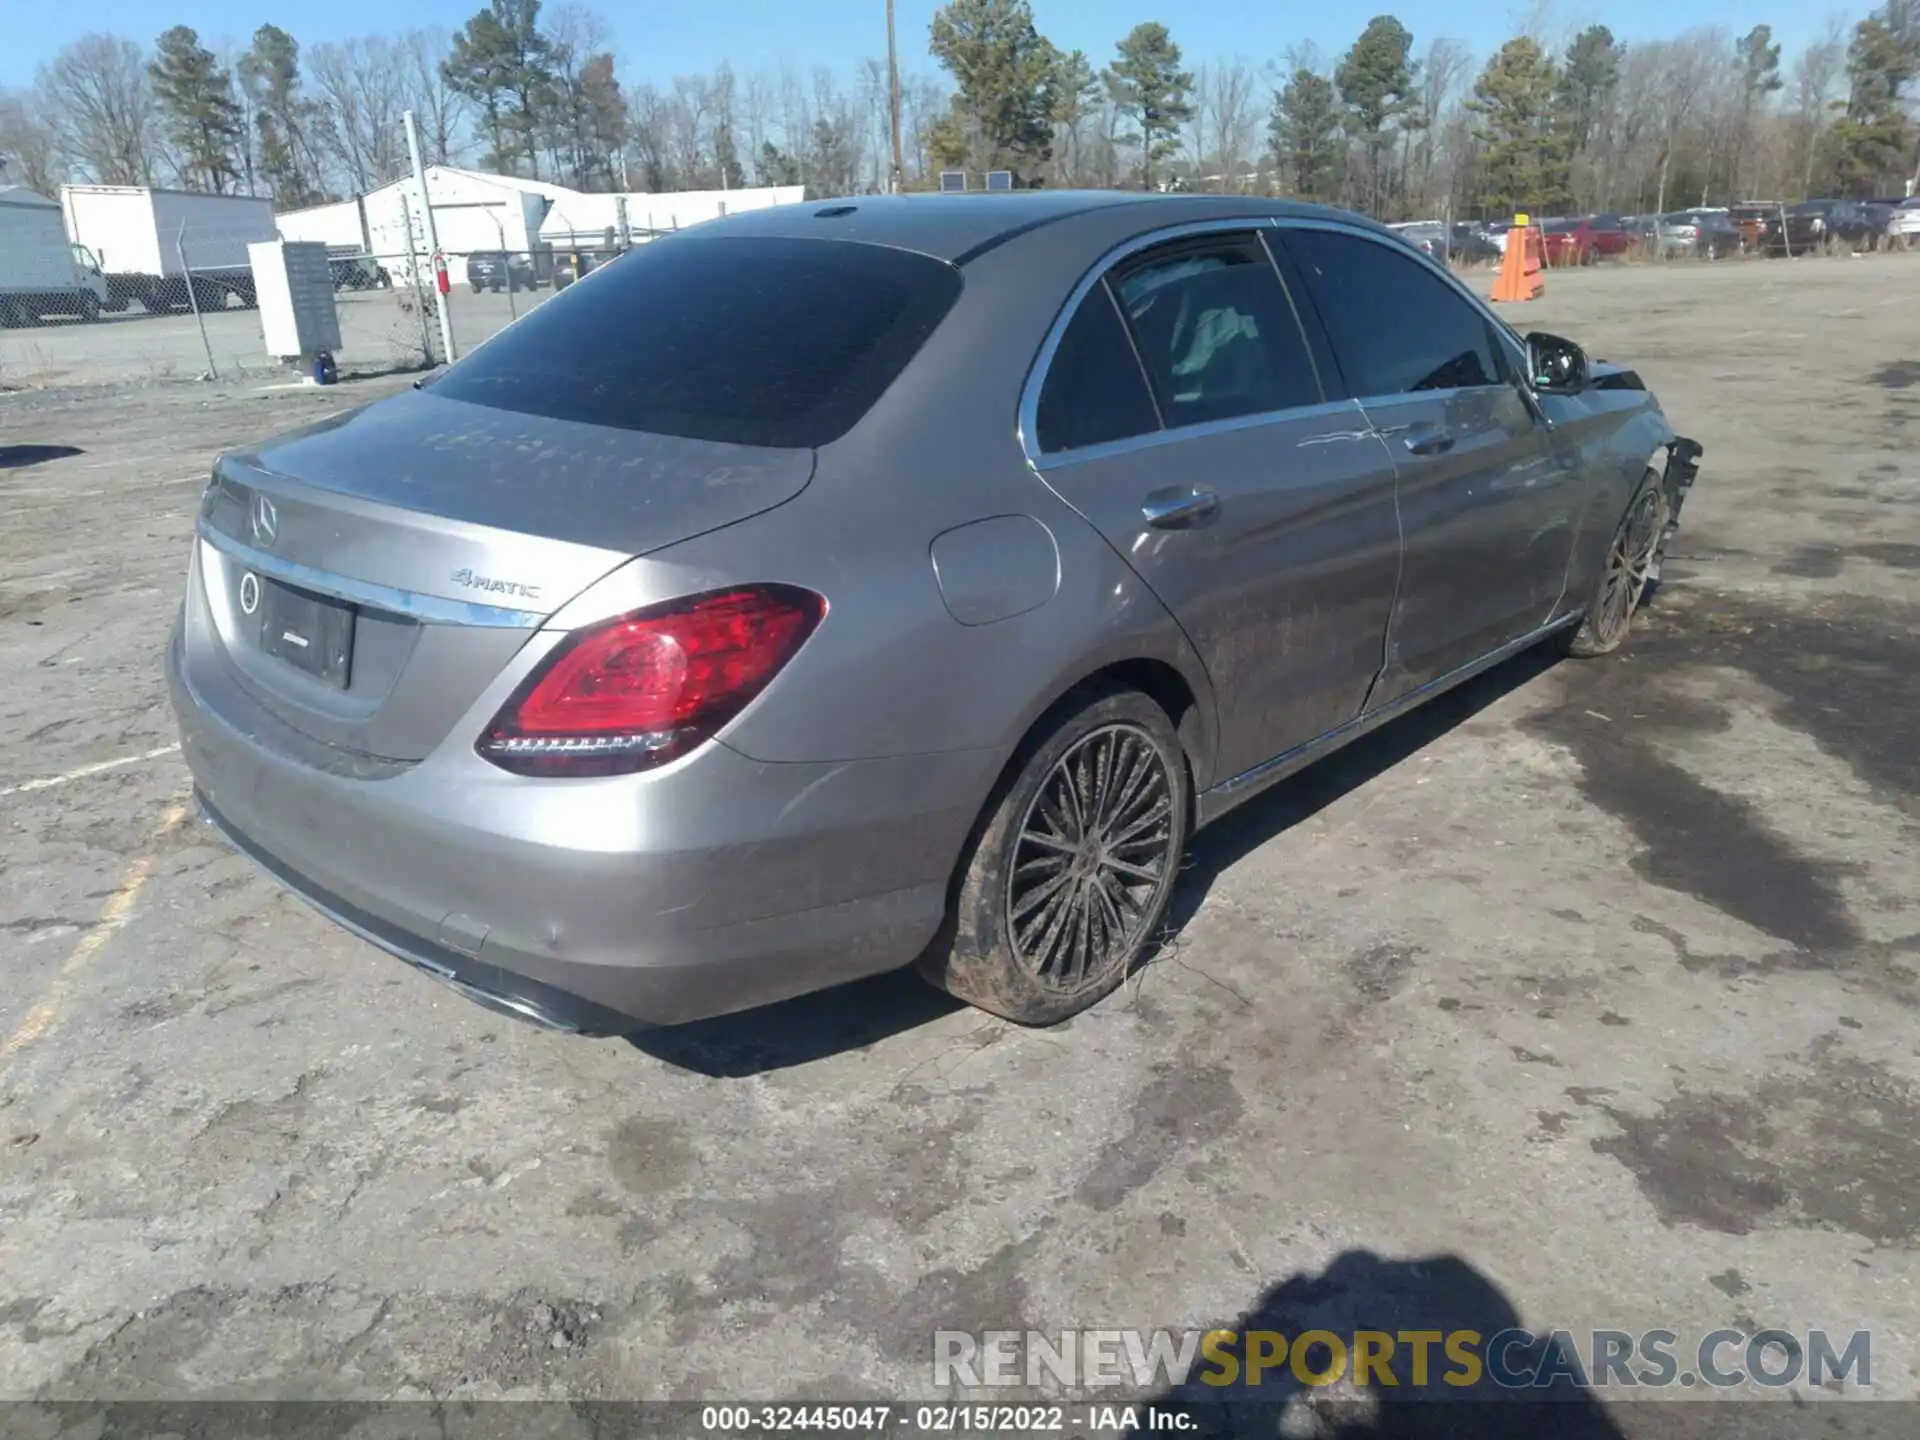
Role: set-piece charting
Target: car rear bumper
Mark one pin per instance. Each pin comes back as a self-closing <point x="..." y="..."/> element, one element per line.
<point x="716" y="884"/>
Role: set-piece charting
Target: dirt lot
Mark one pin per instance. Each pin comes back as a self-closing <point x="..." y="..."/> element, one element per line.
<point x="1599" y="978"/>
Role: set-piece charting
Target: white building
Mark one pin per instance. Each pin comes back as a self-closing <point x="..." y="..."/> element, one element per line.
<point x="474" y="211"/>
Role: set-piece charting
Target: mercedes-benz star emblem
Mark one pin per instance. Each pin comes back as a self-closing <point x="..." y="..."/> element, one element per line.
<point x="264" y="520"/>
<point x="249" y="593"/>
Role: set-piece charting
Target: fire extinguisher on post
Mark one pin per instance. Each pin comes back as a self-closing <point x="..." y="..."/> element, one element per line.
<point x="440" y="272"/>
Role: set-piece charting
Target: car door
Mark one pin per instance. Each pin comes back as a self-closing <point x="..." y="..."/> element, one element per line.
<point x="1180" y="411"/>
<point x="1489" y="508"/>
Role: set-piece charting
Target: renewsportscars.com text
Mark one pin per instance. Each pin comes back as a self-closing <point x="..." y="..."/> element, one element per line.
<point x="1510" y="1359"/>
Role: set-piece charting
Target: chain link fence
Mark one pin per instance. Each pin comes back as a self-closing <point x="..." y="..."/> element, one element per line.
<point x="187" y="308"/>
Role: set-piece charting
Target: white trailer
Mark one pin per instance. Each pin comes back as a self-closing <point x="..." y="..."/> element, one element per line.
<point x="42" y="272"/>
<point x="153" y="244"/>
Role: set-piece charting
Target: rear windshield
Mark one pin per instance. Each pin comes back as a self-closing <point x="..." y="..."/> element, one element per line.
<point x="750" y="340"/>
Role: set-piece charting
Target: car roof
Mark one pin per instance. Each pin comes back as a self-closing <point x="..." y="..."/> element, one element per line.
<point x="958" y="228"/>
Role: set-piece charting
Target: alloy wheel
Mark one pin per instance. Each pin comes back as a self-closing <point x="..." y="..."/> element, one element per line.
<point x="1630" y="563"/>
<point x="1092" y="859"/>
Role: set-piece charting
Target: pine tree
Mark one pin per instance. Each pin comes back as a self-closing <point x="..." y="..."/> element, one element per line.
<point x="1149" y="87"/>
<point x="195" y="95"/>
<point x="1305" y="131"/>
<point x="1524" y="143"/>
<point x="502" y="63"/>
<point x="1872" y="143"/>
<point x="1376" y="80"/>
<point x="1001" y="67"/>
<point x="270" y="72"/>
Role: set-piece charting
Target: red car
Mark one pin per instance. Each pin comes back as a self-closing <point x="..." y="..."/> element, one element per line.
<point x="1583" y="241"/>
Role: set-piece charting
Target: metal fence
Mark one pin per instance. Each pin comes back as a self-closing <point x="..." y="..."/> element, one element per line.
<point x="187" y="308"/>
<point x="203" y="321"/>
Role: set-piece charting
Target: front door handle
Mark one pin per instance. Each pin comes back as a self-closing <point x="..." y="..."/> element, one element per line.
<point x="1429" y="440"/>
<point x="1180" y="507"/>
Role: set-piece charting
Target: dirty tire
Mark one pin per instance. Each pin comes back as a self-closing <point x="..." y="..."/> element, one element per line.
<point x="1632" y="558"/>
<point x="1069" y="875"/>
<point x="89" y="307"/>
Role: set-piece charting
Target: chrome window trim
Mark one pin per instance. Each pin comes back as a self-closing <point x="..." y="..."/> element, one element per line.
<point x="428" y="609"/>
<point x="1257" y="225"/>
<point x="1061" y="459"/>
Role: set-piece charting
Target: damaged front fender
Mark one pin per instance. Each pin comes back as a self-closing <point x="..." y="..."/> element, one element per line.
<point x="1683" y="466"/>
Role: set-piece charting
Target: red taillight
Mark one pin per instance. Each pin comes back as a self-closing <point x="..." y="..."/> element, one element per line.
<point x="640" y="690"/>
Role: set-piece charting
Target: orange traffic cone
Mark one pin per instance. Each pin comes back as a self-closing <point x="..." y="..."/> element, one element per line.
<point x="1523" y="265"/>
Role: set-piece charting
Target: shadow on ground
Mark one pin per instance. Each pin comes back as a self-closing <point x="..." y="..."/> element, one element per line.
<point x="1525" y="1387"/>
<point x="15" y="457"/>
<point x="850" y="1017"/>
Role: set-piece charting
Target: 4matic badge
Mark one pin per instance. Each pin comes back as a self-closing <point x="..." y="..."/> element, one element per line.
<point x="475" y="581"/>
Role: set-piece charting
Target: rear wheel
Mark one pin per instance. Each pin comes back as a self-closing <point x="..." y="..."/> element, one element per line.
<point x="1069" y="878"/>
<point x="1632" y="559"/>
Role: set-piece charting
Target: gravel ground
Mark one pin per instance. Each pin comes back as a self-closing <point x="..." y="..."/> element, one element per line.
<point x="1584" y="998"/>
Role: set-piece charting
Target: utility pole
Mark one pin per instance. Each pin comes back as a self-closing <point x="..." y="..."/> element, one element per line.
<point x="893" y="101"/>
<point x="432" y="235"/>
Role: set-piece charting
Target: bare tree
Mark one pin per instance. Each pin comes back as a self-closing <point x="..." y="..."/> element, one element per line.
<point x="1227" y="93"/>
<point x="363" y="84"/>
<point x="922" y="102"/>
<point x="648" y="124"/>
<point x="439" y="110"/>
<point x="1678" y="87"/>
<point x="756" y="111"/>
<point x="29" y="145"/>
<point x="1443" y="69"/>
<point x="1814" y="76"/>
<point x="101" y="102"/>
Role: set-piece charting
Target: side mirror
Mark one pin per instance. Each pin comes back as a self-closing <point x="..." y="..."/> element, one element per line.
<point x="1556" y="366"/>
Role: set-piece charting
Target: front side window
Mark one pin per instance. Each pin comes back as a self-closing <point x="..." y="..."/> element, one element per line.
<point x="1214" y="330"/>
<point x="1396" y="327"/>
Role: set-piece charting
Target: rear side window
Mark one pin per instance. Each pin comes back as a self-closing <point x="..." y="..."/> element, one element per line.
<point x="1396" y="327"/>
<point x="1215" y="331"/>
<point x="1094" y="391"/>
<point x="751" y="340"/>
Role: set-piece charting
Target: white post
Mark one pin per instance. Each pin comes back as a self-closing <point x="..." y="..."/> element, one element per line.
<point x="433" y="238"/>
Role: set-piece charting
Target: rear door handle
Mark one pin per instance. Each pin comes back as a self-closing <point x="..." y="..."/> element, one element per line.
<point x="1429" y="440"/>
<point x="1180" y="507"/>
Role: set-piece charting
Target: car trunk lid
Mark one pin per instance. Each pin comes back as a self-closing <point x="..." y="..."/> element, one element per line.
<point x="370" y="575"/>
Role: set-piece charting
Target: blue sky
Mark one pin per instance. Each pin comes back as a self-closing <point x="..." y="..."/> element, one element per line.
<point x="677" y="37"/>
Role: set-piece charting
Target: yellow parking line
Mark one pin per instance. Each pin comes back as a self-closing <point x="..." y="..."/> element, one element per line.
<point x="113" y="915"/>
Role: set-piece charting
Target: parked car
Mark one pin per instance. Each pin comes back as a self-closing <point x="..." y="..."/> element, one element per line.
<point x="1816" y="224"/>
<point x="354" y="271"/>
<point x="1607" y="237"/>
<point x="1904" y="223"/>
<point x="496" y="271"/>
<point x="1708" y="234"/>
<point x="929" y="572"/>
<point x="1429" y="237"/>
<point x="1567" y="242"/>
<point x="572" y="265"/>
<point x="1760" y="225"/>
<point x="1472" y="245"/>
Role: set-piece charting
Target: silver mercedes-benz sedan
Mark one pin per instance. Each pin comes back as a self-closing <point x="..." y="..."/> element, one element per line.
<point x="843" y="585"/>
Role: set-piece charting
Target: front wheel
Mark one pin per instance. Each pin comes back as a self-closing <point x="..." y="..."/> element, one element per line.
<point x="89" y="307"/>
<point x="1069" y="877"/>
<point x="1625" y="580"/>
